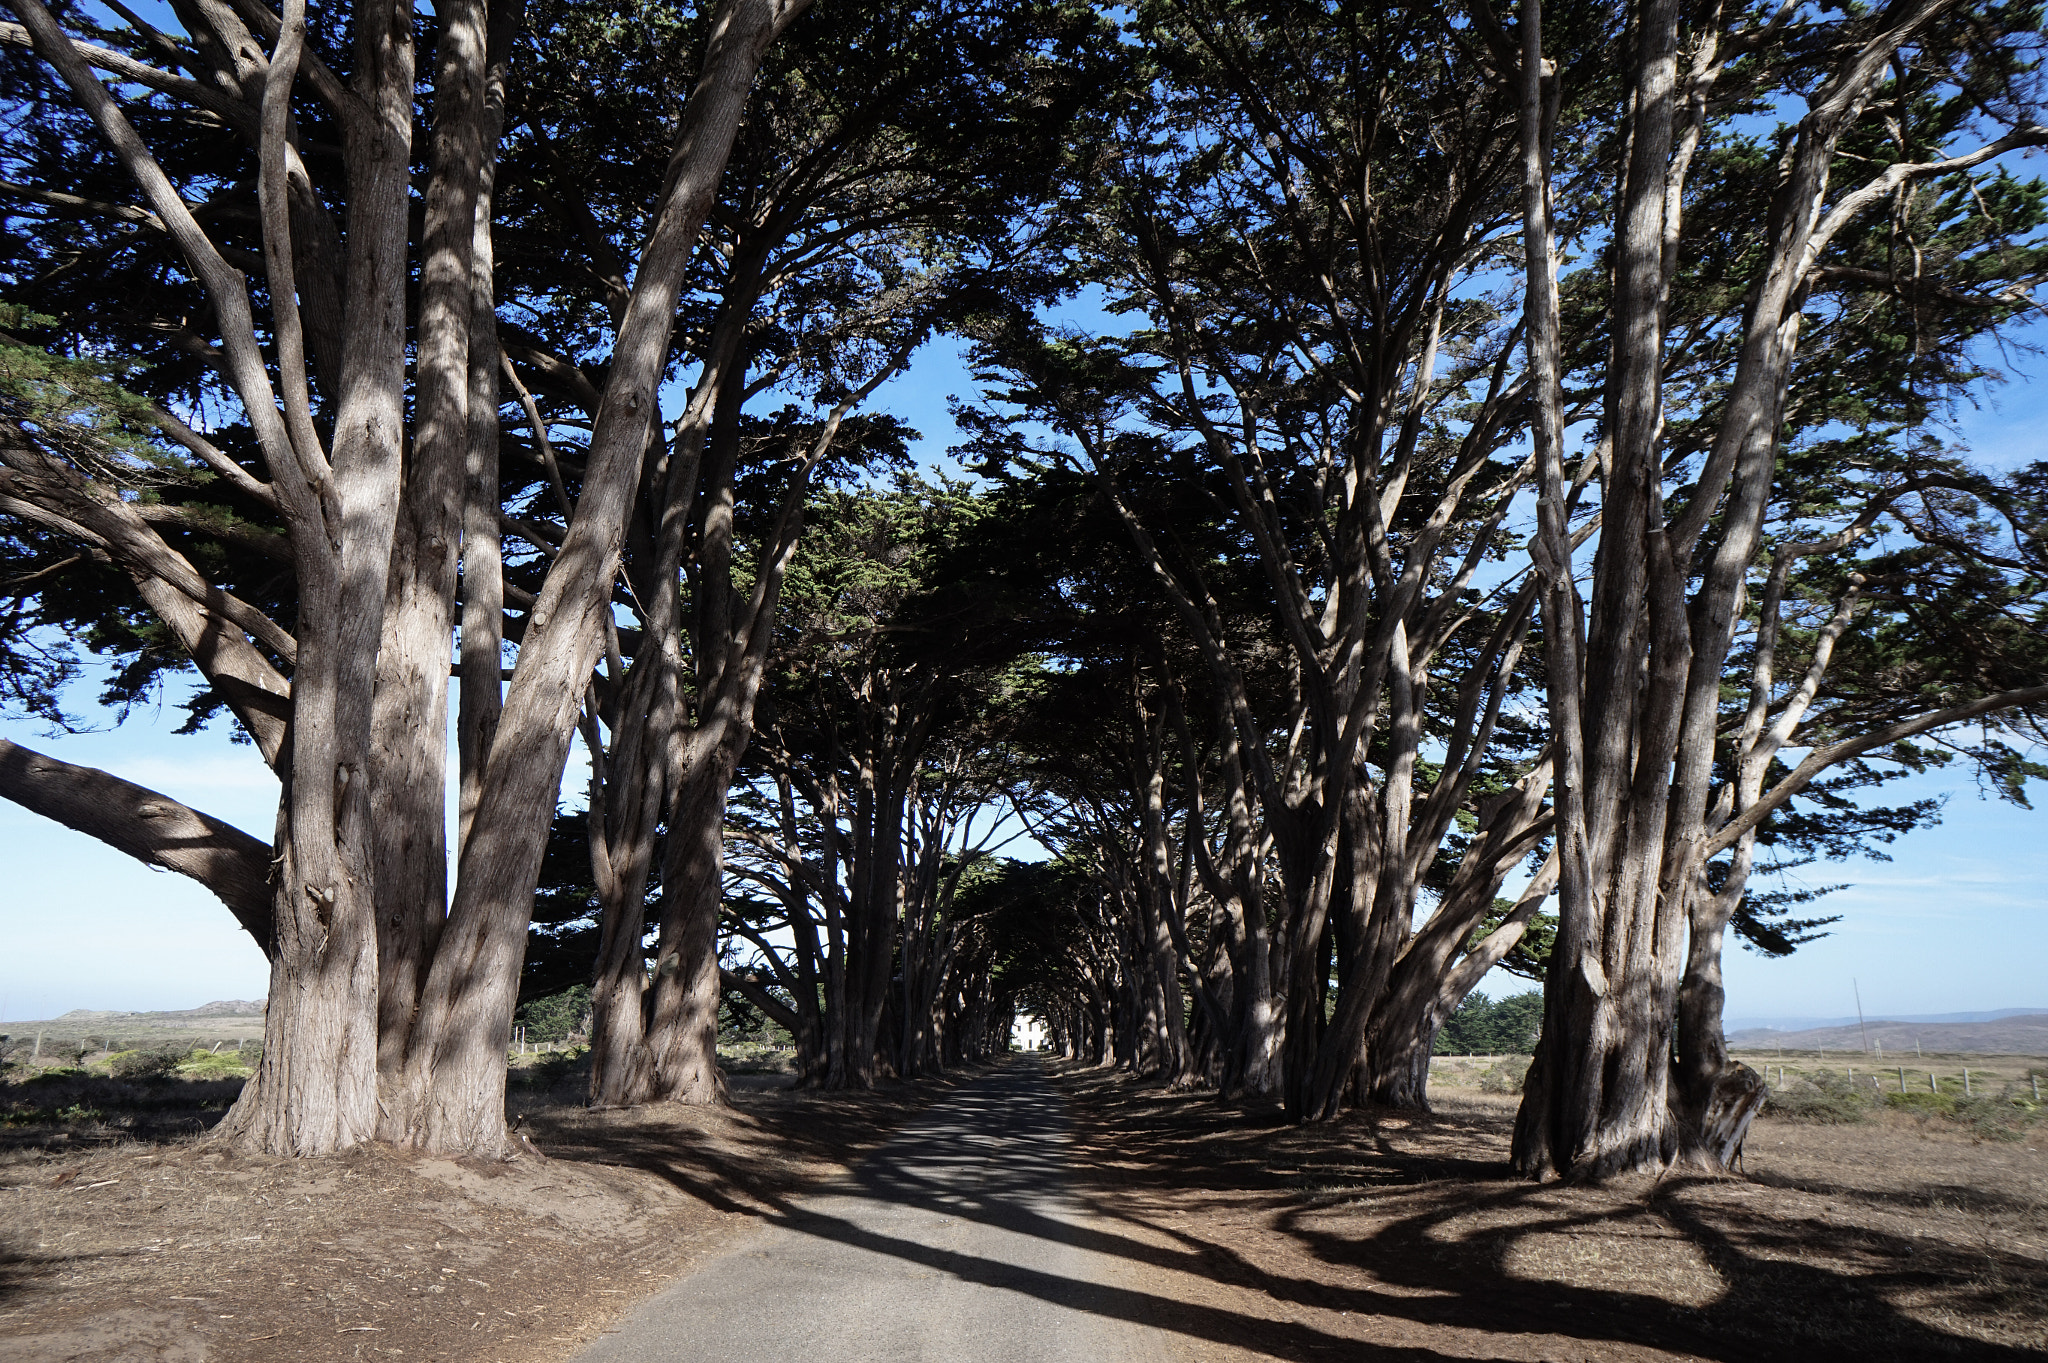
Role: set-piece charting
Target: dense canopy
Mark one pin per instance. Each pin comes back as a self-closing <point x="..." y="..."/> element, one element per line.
<point x="1442" y="489"/>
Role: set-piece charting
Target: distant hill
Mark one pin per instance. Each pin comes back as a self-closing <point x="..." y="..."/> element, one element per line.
<point x="2010" y="1034"/>
<point x="230" y="1019"/>
<point x="1804" y="1024"/>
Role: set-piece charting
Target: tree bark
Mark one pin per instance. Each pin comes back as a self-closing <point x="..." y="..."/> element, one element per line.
<point x="410" y="718"/>
<point x="315" y="1091"/>
<point x="455" y="1070"/>
<point x="682" y="1030"/>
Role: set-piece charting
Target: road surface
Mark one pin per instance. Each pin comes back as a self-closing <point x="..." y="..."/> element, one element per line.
<point x="960" y="1239"/>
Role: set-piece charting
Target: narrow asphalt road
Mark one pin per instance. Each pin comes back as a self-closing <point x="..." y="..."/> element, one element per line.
<point x="960" y="1239"/>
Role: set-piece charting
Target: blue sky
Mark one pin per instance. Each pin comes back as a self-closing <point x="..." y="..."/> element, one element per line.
<point x="1954" y="922"/>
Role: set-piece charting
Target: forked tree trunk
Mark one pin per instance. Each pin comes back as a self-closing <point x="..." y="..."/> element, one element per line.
<point x="1648" y="685"/>
<point x="316" y="1089"/>
<point x="455" y="1065"/>
<point x="1308" y="877"/>
<point x="1425" y="990"/>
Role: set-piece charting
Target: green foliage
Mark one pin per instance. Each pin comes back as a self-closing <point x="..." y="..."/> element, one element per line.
<point x="1529" y="957"/>
<point x="154" y="1062"/>
<point x="1505" y="1077"/>
<point x="1827" y="1099"/>
<point x="1934" y="1104"/>
<point x="2005" y="1116"/>
<point x="77" y="404"/>
<point x="222" y="1064"/>
<point x="556" y="1017"/>
<point x="1484" y="1026"/>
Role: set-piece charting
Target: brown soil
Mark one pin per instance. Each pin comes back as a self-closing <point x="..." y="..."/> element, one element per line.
<point x="1394" y="1236"/>
<point x="1381" y="1236"/>
<point x="168" y="1248"/>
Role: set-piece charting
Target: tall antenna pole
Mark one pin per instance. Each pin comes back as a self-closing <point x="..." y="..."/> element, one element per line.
<point x="1859" y="1014"/>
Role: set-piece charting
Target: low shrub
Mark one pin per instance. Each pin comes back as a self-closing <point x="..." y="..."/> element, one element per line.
<point x="222" y="1064"/>
<point x="153" y="1062"/>
<point x="1506" y="1076"/>
<point x="1827" y="1098"/>
<point x="61" y="1104"/>
<point x="2006" y="1117"/>
<point x="1936" y="1104"/>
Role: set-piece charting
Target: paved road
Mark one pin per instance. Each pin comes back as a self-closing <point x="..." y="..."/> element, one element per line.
<point x="958" y="1240"/>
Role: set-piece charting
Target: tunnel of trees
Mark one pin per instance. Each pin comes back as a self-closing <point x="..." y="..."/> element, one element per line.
<point x="1443" y="488"/>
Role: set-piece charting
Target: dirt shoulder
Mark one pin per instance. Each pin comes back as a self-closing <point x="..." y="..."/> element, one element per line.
<point x="165" y="1248"/>
<point x="1395" y="1236"/>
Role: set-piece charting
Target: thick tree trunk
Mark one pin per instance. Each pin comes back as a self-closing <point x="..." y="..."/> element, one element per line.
<point x="1382" y="897"/>
<point x="316" y="1089"/>
<point x="1309" y="877"/>
<point x="455" y="1065"/>
<point x="682" y="1032"/>
<point x="1714" y="1138"/>
<point x="618" y="1027"/>
<point x="1256" y="1055"/>
<point x="1715" y="1098"/>
<point x="876" y="899"/>
<point x="410" y="714"/>
<point x="1164" y="999"/>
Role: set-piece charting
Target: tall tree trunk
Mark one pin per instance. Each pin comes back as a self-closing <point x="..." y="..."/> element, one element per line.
<point x="410" y="714"/>
<point x="1308" y="871"/>
<point x="682" y="1032"/>
<point x="481" y="660"/>
<point x="1601" y="1100"/>
<point x="455" y="1064"/>
<point x="315" y="1090"/>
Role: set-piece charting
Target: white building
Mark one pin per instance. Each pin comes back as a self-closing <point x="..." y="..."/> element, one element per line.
<point x="1026" y="1033"/>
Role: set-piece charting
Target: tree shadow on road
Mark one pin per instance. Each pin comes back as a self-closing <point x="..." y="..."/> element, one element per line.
<point x="1379" y="1236"/>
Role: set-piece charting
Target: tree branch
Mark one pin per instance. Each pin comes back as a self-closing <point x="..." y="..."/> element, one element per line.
<point x="1821" y="759"/>
<point x="154" y="829"/>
